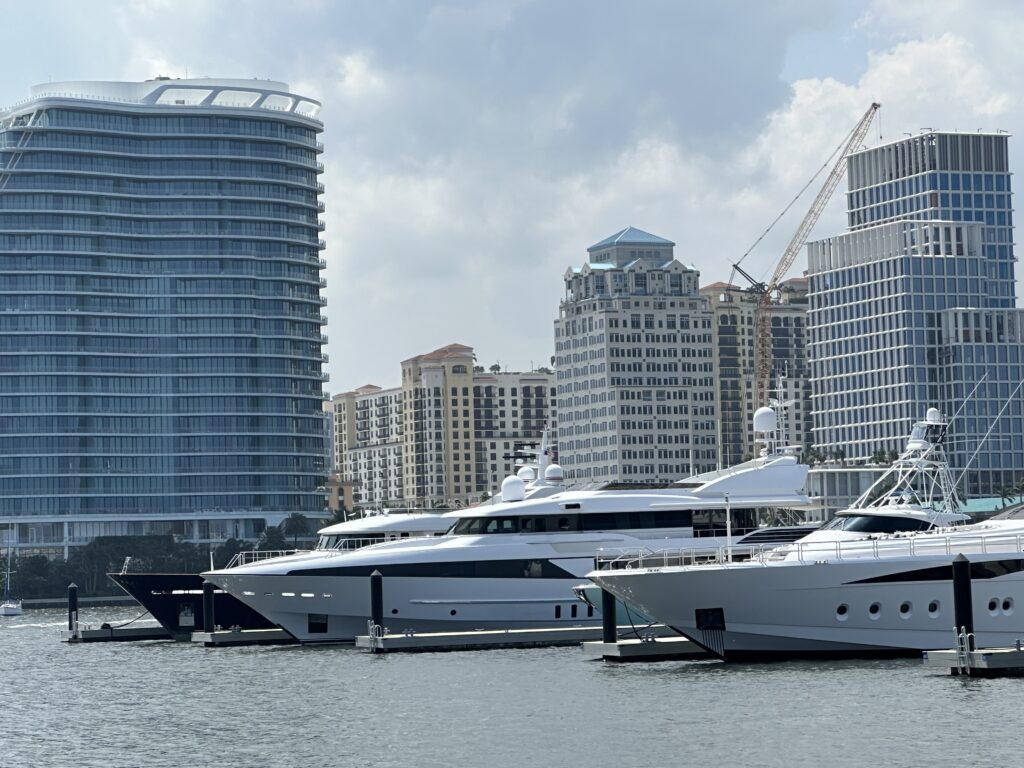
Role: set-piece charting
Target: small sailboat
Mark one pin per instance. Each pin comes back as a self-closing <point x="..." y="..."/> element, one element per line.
<point x="11" y="606"/>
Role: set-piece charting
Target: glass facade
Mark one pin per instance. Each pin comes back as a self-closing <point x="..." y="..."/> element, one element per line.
<point x="160" y="310"/>
<point x="948" y="177"/>
<point x="913" y="308"/>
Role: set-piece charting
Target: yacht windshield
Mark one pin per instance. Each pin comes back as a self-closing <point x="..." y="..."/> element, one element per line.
<point x="875" y="524"/>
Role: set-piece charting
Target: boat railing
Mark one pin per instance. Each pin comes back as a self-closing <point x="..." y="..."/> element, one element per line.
<point x="256" y="555"/>
<point x="923" y="544"/>
<point x="947" y="545"/>
<point x="627" y="559"/>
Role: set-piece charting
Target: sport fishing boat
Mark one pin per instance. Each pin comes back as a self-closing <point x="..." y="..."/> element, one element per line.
<point x="862" y="586"/>
<point x="513" y="564"/>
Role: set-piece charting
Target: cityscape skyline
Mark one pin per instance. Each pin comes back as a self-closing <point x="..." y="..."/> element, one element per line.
<point x="473" y="147"/>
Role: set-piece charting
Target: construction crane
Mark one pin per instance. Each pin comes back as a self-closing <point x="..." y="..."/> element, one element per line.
<point x="767" y="291"/>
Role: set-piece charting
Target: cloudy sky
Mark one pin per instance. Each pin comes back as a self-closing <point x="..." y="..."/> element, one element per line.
<point x="475" y="149"/>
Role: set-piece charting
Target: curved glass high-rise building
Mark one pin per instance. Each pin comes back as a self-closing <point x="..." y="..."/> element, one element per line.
<point x="160" y="310"/>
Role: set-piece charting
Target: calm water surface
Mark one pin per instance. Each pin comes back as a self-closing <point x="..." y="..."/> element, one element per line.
<point x="172" y="704"/>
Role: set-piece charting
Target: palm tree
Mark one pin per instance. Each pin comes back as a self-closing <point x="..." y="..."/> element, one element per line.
<point x="295" y="525"/>
<point x="1006" y="494"/>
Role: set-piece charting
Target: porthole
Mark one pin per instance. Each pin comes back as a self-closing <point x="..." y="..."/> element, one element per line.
<point x="843" y="612"/>
<point x="394" y="610"/>
<point x="1008" y="605"/>
<point x="906" y="609"/>
<point x="452" y="612"/>
<point x="934" y="608"/>
<point x="993" y="606"/>
<point x="875" y="610"/>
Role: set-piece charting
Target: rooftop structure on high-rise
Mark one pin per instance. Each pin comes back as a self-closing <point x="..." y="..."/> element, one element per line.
<point x="634" y="360"/>
<point x="160" y="311"/>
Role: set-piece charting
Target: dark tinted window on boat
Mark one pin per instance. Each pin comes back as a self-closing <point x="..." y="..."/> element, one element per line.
<point x="572" y="521"/>
<point x="876" y="524"/>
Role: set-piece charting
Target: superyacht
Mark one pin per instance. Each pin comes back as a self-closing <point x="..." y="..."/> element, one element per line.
<point x="513" y="564"/>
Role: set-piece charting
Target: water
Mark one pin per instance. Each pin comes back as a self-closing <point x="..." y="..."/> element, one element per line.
<point x="156" y="704"/>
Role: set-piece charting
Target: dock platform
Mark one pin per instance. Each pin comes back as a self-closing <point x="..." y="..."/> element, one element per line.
<point x="672" y="648"/>
<point x="226" y="638"/>
<point x="985" y="662"/>
<point x="86" y="634"/>
<point x="477" y="639"/>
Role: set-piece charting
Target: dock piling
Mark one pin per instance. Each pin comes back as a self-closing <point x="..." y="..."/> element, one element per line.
<point x="609" y="631"/>
<point x="73" y="608"/>
<point x="963" y="607"/>
<point x="377" y="598"/>
<point x="208" y="615"/>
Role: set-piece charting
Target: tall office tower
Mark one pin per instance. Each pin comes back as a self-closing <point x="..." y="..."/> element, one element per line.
<point x="635" y="365"/>
<point x="460" y="424"/>
<point x="912" y="307"/>
<point x="160" y="311"/>
<point x="368" y="443"/>
<point x="951" y="177"/>
<point x="734" y="310"/>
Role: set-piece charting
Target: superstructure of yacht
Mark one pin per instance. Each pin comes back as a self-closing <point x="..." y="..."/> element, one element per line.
<point x="513" y="564"/>
<point x="860" y="586"/>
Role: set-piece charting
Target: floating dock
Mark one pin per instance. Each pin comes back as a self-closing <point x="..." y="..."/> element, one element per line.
<point x="478" y="639"/>
<point x="226" y="638"/>
<point x="672" y="648"/>
<point x="87" y="634"/>
<point x="986" y="662"/>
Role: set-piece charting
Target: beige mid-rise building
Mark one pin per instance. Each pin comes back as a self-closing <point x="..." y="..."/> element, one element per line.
<point x="446" y="436"/>
<point x="735" y="337"/>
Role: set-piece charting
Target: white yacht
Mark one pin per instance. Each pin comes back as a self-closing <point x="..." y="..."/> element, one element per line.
<point x="11" y="606"/>
<point x="845" y="591"/>
<point x="513" y="564"/>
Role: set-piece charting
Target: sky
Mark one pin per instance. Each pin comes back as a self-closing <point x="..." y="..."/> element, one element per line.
<point x="474" y="150"/>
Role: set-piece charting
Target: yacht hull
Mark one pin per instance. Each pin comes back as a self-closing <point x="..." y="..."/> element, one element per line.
<point x="318" y="609"/>
<point x="830" y="609"/>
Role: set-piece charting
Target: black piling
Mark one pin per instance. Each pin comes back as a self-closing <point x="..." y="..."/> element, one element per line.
<point x="963" y="608"/>
<point x="72" y="606"/>
<point x="208" y="617"/>
<point x="377" y="598"/>
<point x="609" y="621"/>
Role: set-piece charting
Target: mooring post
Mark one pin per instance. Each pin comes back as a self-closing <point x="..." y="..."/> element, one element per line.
<point x="208" y="616"/>
<point x="609" y="622"/>
<point x="963" y="608"/>
<point x="377" y="598"/>
<point x="73" y="608"/>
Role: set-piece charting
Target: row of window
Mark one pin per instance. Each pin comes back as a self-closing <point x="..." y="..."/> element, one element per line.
<point x="94" y="205"/>
<point x="68" y="222"/>
<point x="229" y="125"/>
<point x="164" y="444"/>
<point x="206" y="464"/>
<point x="162" y="145"/>
<point x="282" y="190"/>
<point x="142" y="502"/>
<point x="87" y="424"/>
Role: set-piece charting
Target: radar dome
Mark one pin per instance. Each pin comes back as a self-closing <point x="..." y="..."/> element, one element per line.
<point x="933" y="416"/>
<point x="554" y="474"/>
<point x="526" y="474"/>
<point x="765" y="420"/>
<point x="513" y="489"/>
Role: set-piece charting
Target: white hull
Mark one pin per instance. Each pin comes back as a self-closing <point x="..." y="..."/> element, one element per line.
<point x="10" y="609"/>
<point x="417" y="604"/>
<point x="829" y="608"/>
